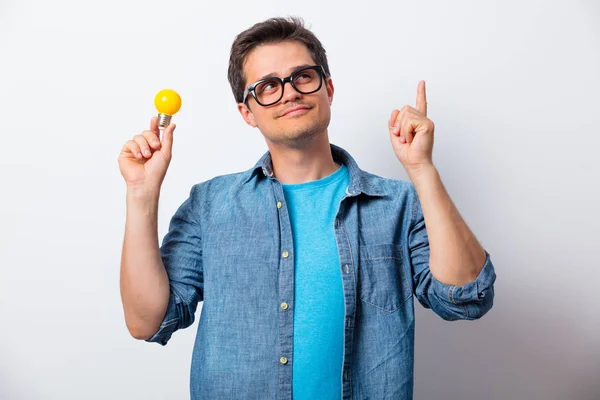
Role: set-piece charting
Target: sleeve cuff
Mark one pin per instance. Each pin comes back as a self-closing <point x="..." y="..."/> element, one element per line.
<point x="474" y="291"/>
<point x="169" y="324"/>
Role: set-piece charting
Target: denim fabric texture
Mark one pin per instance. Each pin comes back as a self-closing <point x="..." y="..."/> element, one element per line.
<point x="230" y="245"/>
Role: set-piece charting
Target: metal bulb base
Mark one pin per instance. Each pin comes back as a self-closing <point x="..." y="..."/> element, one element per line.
<point x="163" y="120"/>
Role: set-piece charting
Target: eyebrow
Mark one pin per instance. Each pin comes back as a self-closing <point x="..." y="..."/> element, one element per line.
<point x="273" y="74"/>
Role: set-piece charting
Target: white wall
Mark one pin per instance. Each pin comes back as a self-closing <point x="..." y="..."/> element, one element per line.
<point x="512" y="88"/>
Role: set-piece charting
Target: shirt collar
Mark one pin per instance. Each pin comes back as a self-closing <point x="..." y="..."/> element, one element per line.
<point x="360" y="181"/>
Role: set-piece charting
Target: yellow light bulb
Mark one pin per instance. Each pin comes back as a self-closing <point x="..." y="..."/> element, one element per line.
<point x="167" y="103"/>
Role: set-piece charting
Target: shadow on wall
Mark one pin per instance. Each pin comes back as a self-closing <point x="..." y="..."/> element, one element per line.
<point x="524" y="348"/>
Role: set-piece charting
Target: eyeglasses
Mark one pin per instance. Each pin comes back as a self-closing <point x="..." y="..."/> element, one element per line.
<point x="269" y="91"/>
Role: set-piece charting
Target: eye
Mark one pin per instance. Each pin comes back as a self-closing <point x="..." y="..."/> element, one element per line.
<point x="303" y="77"/>
<point x="267" y="87"/>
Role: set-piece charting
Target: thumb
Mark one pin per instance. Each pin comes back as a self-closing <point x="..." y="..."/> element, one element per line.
<point x="167" y="139"/>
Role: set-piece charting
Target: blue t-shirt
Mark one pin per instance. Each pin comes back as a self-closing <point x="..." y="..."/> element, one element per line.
<point x="318" y="293"/>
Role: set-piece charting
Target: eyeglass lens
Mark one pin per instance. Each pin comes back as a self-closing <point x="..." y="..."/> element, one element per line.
<point x="271" y="91"/>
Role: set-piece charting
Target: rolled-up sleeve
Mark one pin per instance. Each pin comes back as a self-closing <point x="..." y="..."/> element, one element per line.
<point x="470" y="301"/>
<point x="181" y="253"/>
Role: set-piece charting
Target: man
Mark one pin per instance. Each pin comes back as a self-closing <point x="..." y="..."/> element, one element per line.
<point x="306" y="264"/>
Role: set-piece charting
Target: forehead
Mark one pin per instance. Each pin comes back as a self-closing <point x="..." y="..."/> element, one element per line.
<point x="279" y="58"/>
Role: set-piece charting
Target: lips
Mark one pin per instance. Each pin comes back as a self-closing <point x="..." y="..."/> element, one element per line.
<point x="290" y="110"/>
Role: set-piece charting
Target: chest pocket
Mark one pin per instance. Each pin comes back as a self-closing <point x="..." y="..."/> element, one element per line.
<point x="383" y="280"/>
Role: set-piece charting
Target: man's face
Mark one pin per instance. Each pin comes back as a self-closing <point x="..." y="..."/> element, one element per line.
<point x="296" y="128"/>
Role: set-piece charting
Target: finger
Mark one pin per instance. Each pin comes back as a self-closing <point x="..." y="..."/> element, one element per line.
<point x="132" y="148"/>
<point x="398" y="123"/>
<point x="421" y="98"/>
<point x="401" y="121"/>
<point x="404" y="113"/>
<point x="408" y="129"/>
<point x="167" y="140"/>
<point x="152" y="138"/>
<point x="144" y="146"/>
<point x="392" y="122"/>
<point x="154" y="125"/>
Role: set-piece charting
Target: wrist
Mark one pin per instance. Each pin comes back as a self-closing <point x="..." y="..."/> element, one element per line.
<point x="422" y="173"/>
<point x="144" y="197"/>
<point x="141" y="191"/>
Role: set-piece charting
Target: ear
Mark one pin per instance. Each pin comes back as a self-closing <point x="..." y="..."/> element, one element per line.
<point x="330" y="89"/>
<point x="247" y="114"/>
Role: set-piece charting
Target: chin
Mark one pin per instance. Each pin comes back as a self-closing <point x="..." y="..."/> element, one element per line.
<point x="298" y="125"/>
<point x="293" y="129"/>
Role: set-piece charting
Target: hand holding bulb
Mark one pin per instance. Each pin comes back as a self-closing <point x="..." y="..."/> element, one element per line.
<point x="144" y="160"/>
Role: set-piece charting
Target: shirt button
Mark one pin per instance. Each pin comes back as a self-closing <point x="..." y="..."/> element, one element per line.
<point x="285" y="254"/>
<point x="279" y="204"/>
<point x="283" y="360"/>
<point x="284" y="306"/>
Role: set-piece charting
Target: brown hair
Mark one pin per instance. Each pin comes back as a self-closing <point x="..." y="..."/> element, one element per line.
<point x="271" y="31"/>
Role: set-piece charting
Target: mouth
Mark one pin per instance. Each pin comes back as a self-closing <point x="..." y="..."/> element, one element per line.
<point x="296" y="111"/>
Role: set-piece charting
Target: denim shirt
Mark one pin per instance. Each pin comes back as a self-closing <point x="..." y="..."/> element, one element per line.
<point x="230" y="245"/>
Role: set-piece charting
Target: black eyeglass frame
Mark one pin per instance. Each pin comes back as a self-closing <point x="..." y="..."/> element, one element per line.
<point x="282" y="81"/>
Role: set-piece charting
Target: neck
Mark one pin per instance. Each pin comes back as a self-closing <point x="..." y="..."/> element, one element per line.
<point x="303" y="164"/>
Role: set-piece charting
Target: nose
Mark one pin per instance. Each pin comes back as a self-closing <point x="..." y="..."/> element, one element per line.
<point x="290" y="94"/>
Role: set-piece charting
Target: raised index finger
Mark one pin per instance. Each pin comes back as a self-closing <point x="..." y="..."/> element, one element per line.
<point x="421" y="99"/>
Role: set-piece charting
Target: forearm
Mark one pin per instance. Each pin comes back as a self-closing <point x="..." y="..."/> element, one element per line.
<point x="144" y="281"/>
<point x="456" y="257"/>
